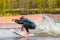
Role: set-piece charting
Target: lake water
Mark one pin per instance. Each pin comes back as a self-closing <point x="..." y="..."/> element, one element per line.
<point x="7" y="34"/>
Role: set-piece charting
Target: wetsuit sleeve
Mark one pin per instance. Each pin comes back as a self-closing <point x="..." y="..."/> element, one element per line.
<point x="18" y="21"/>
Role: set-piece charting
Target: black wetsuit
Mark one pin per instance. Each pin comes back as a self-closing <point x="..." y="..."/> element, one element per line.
<point x="28" y="24"/>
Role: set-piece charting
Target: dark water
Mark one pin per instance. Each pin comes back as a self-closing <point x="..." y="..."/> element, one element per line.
<point x="17" y="38"/>
<point x="32" y="38"/>
<point x="28" y="38"/>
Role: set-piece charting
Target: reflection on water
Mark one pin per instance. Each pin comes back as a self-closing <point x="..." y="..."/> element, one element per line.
<point x="20" y="38"/>
<point x="15" y="38"/>
<point x="32" y="38"/>
<point x="27" y="38"/>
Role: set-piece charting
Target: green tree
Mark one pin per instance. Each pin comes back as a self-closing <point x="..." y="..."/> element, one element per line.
<point x="52" y="4"/>
<point x="58" y="3"/>
<point x="4" y="5"/>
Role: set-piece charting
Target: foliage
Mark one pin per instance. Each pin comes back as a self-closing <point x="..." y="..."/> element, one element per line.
<point x="17" y="7"/>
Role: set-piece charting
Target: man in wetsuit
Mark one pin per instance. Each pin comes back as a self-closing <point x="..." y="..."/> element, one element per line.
<point x="26" y="23"/>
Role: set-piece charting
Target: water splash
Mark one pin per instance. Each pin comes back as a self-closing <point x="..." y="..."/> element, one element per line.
<point x="47" y="25"/>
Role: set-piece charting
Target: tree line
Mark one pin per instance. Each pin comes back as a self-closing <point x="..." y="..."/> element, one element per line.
<point x="28" y="6"/>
